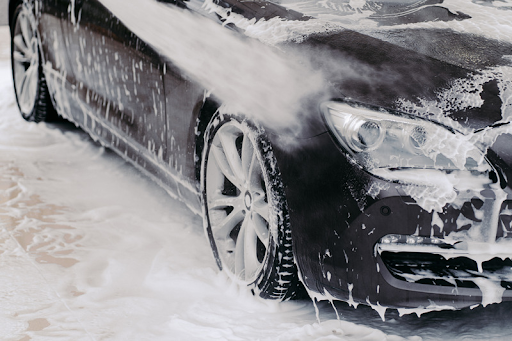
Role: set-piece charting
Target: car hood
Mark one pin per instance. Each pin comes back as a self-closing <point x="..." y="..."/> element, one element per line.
<point x="425" y="57"/>
<point x="460" y="80"/>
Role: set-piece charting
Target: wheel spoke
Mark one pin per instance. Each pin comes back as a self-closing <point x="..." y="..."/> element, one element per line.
<point x="22" y="92"/>
<point x="224" y="227"/>
<point x="26" y="30"/>
<point x="256" y="177"/>
<point x="240" y="252"/>
<point x="20" y="57"/>
<point x="27" y="84"/>
<point x="224" y="166"/>
<point x="33" y="80"/>
<point x="20" y="44"/>
<point x="260" y="228"/>
<point x="250" y="248"/>
<point x="248" y="156"/>
<point x="227" y="141"/>
<point x="223" y="201"/>
<point x="261" y="208"/>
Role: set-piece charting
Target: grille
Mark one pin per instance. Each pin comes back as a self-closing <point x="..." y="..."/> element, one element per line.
<point x="431" y="269"/>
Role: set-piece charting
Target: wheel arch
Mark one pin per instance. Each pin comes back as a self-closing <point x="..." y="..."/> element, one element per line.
<point x="205" y="113"/>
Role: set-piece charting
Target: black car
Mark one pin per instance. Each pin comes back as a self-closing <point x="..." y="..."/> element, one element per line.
<point x="360" y="150"/>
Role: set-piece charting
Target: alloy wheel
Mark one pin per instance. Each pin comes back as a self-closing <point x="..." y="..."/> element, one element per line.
<point x="237" y="201"/>
<point x="25" y="58"/>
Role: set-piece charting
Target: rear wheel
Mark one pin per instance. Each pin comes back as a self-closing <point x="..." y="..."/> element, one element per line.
<point x="245" y="211"/>
<point x="29" y="82"/>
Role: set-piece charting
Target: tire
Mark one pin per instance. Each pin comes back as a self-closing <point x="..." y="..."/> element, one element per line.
<point x="30" y="87"/>
<point x="243" y="197"/>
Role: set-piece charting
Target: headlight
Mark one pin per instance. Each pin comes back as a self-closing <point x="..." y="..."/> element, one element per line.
<point x="382" y="141"/>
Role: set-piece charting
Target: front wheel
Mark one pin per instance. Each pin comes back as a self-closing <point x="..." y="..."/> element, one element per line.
<point x="245" y="211"/>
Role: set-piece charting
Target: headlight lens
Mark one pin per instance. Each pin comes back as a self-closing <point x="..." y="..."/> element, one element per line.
<point x="381" y="140"/>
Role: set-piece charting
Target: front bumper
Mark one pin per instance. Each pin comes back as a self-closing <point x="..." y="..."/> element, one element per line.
<point x="343" y="220"/>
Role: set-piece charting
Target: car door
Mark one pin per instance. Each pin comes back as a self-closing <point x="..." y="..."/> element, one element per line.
<point x="59" y="71"/>
<point x="119" y="82"/>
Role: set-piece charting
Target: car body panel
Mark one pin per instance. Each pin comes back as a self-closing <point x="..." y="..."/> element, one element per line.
<point x="116" y="104"/>
<point x="129" y="96"/>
